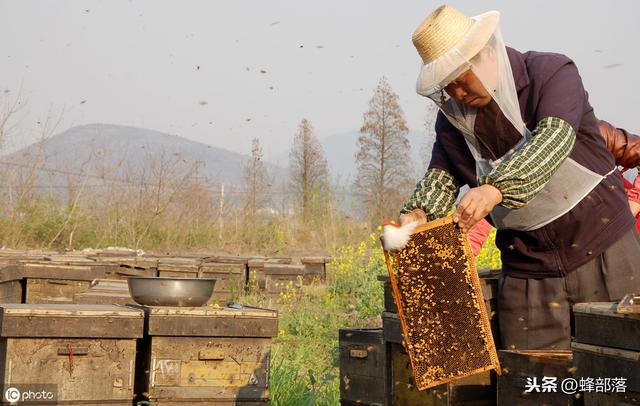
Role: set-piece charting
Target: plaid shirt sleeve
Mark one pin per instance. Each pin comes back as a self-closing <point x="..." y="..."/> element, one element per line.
<point x="435" y="193"/>
<point x="531" y="167"/>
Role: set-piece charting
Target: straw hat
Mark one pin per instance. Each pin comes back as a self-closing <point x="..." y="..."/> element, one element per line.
<point x="446" y="38"/>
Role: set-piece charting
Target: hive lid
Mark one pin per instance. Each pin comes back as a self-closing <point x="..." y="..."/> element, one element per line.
<point x="210" y="321"/>
<point x="211" y="311"/>
<point x="608" y="309"/>
<point x="70" y="320"/>
<point x="73" y="310"/>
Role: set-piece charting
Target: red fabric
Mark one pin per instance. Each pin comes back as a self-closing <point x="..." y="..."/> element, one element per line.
<point x="478" y="235"/>
<point x="633" y="193"/>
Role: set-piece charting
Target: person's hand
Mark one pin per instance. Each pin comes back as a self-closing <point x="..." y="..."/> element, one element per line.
<point x="635" y="207"/>
<point x="475" y="205"/>
<point x="415" y="215"/>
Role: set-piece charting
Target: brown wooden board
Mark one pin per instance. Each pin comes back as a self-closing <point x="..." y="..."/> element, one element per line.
<point x="105" y="291"/>
<point x="226" y="259"/>
<point x="11" y="291"/>
<point x="53" y="290"/>
<point x="517" y="366"/>
<point x="123" y="271"/>
<point x="594" y="361"/>
<point x="85" y="371"/>
<point x="211" y="322"/>
<point x="363" y="367"/>
<point x="70" y="320"/>
<point x="78" y="272"/>
<point x="600" y="324"/>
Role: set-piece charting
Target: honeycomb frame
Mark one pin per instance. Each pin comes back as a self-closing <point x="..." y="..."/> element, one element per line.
<point x="425" y="308"/>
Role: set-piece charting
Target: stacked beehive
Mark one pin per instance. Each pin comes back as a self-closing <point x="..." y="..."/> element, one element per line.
<point x="606" y="353"/>
<point x="205" y="356"/>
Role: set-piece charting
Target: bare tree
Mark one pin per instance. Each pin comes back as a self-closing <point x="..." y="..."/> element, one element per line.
<point x="383" y="158"/>
<point x="256" y="183"/>
<point x="308" y="168"/>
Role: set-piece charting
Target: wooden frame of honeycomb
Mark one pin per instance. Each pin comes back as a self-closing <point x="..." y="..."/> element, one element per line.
<point x="440" y="305"/>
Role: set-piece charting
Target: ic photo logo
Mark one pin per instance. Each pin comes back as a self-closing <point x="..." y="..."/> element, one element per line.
<point x="29" y="394"/>
<point x="12" y="395"/>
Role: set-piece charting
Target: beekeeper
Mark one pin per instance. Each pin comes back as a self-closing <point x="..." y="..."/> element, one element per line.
<point x="519" y="130"/>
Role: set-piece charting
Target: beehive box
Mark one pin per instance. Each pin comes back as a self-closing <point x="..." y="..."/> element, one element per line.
<point x="273" y="279"/>
<point x="105" y="291"/>
<point x="178" y="267"/>
<point x="48" y="282"/>
<point x="479" y="389"/>
<point x="85" y="352"/>
<point x="11" y="289"/>
<point x="605" y="363"/>
<point x="600" y="324"/>
<point x="518" y="366"/>
<point x="440" y="305"/>
<point x="363" y="367"/>
<point x="123" y="267"/>
<point x="606" y="346"/>
<point x="206" y="355"/>
<point x="230" y="280"/>
<point x="314" y="268"/>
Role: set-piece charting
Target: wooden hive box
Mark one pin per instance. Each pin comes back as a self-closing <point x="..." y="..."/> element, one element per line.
<point x="179" y="267"/>
<point x="255" y="270"/>
<point x="607" y="345"/>
<point x="315" y="268"/>
<point x="11" y="286"/>
<point x="206" y="356"/>
<point x="363" y="367"/>
<point x="479" y="389"/>
<point x="86" y="352"/>
<point x="123" y="267"/>
<point x="105" y="291"/>
<point x="47" y="282"/>
<point x="231" y="280"/>
<point x="599" y="324"/>
<point x="272" y="279"/>
<point x="606" y="363"/>
<point x="518" y="366"/>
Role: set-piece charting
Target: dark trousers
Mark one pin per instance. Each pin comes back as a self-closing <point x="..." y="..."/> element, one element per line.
<point x="536" y="313"/>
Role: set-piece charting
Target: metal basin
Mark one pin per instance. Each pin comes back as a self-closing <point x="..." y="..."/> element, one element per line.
<point x="162" y="291"/>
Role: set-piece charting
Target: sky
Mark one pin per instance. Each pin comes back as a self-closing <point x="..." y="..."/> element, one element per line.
<point x="223" y="72"/>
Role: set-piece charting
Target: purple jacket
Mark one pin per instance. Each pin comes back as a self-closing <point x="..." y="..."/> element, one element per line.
<point x="549" y="85"/>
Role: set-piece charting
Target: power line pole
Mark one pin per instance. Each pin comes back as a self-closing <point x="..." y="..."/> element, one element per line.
<point x="221" y="212"/>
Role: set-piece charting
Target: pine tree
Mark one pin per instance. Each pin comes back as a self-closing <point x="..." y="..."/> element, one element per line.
<point x="383" y="159"/>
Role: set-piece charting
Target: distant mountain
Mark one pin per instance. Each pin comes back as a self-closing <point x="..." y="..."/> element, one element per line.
<point x="340" y="150"/>
<point x="115" y="151"/>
